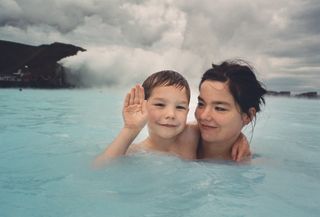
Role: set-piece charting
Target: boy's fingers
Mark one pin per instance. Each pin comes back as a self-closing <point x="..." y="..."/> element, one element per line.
<point x="126" y="101"/>
<point x="141" y="94"/>
<point x="135" y="96"/>
<point x="137" y="93"/>
<point x="131" y="99"/>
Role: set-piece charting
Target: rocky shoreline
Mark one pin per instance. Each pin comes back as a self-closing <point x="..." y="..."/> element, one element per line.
<point x="310" y="94"/>
<point x="27" y="66"/>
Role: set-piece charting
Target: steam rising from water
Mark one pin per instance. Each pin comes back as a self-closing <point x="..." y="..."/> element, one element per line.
<point x="127" y="40"/>
<point x="122" y="66"/>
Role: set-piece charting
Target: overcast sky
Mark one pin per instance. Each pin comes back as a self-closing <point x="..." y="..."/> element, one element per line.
<point x="128" y="40"/>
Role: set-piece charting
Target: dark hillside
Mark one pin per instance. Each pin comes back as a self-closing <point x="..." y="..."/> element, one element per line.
<point x="24" y="65"/>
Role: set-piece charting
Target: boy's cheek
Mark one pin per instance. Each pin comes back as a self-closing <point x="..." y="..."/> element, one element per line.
<point x="185" y="117"/>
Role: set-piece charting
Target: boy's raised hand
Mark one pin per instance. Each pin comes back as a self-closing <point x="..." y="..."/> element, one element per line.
<point x="134" y="110"/>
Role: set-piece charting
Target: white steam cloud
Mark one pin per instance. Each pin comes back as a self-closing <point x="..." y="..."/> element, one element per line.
<point x="128" y="40"/>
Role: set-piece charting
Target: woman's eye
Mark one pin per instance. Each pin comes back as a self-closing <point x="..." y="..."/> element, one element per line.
<point x="200" y="104"/>
<point x="220" y="109"/>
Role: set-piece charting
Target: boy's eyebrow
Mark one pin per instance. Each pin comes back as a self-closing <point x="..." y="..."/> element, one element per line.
<point x="163" y="99"/>
<point x="215" y="102"/>
<point x="184" y="102"/>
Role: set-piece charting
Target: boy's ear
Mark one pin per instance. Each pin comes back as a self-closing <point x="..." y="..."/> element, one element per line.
<point x="246" y="118"/>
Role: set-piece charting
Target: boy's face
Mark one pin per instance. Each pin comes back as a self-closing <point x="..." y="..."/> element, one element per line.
<point x="168" y="108"/>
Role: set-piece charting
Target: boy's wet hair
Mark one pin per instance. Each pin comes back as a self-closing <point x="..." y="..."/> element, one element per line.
<point x="246" y="90"/>
<point x="165" y="78"/>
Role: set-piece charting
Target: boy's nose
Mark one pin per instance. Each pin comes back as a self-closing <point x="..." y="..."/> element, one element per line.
<point x="170" y="113"/>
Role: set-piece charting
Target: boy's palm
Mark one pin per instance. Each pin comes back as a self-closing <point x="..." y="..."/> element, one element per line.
<point x="134" y="110"/>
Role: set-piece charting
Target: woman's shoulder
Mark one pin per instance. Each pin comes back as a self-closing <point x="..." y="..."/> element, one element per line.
<point x="192" y="129"/>
<point x="189" y="137"/>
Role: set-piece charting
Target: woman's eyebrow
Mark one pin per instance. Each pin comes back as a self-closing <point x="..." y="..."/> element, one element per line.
<point x="200" y="99"/>
<point x="220" y="103"/>
<point x="216" y="102"/>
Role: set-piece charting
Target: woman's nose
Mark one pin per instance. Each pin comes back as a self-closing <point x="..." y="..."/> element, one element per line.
<point x="205" y="114"/>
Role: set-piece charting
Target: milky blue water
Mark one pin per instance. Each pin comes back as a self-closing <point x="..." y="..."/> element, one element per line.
<point x="49" y="137"/>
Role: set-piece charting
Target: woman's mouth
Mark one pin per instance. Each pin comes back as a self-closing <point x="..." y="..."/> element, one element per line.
<point x="207" y="127"/>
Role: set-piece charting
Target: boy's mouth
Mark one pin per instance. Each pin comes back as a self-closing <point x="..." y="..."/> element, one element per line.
<point x="169" y="125"/>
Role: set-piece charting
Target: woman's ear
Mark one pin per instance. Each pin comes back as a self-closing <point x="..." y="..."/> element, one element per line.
<point x="246" y="118"/>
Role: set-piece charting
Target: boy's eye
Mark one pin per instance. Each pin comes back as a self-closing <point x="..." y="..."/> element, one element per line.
<point x="181" y="107"/>
<point x="159" y="104"/>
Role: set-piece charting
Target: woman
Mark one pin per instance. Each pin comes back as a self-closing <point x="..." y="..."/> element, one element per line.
<point x="230" y="96"/>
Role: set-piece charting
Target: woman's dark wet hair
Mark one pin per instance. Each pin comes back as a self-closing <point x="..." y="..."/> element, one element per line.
<point x="246" y="90"/>
<point x="165" y="78"/>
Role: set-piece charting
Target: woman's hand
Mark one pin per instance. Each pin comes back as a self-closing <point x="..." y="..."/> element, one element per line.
<point x="240" y="149"/>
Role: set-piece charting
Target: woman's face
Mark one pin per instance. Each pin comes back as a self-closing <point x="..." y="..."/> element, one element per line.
<point x="219" y="117"/>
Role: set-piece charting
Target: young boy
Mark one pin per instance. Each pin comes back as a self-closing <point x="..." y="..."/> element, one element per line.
<point x="163" y="103"/>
